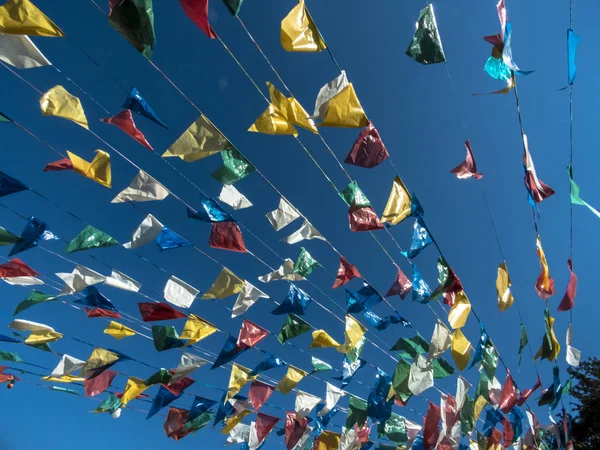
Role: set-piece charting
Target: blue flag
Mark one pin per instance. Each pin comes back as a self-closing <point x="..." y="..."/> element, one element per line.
<point x="225" y="408"/>
<point x="168" y="239"/>
<point x="30" y="236"/>
<point x="135" y="102"/>
<point x="492" y="417"/>
<point x="94" y="299"/>
<point x="416" y="210"/>
<point x="420" y="240"/>
<point x="162" y="399"/>
<point x="349" y="369"/>
<point x="378" y="408"/>
<point x="9" y="185"/>
<point x="573" y="40"/>
<point x="421" y="290"/>
<point x="483" y="340"/>
<point x="228" y="353"/>
<point x="382" y="323"/>
<point x="200" y="406"/>
<point x="210" y="212"/>
<point x="271" y="362"/>
<point x="296" y="302"/>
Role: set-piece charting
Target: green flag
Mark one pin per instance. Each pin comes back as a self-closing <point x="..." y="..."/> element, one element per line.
<point x="575" y="198"/>
<point x="567" y="387"/>
<point x="394" y="429"/>
<point x="9" y="356"/>
<point x="234" y="168"/>
<point x="467" y="416"/>
<point x="199" y="422"/>
<point x="319" y="366"/>
<point x="43" y="347"/>
<point x="35" y="298"/>
<point x="234" y="6"/>
<point x="426" y="45"/>
<point x="400" y="380"/>
<point x="441" y="368"/>
<point x="353" y="354"/>
<point x="444" y="279"/>
<point x="483" y="386"/>
<point x="134" y="19"/>
<point x="489" y="360"/>
<point x="352" y="193"/>
<point x="413" y="346"/>
<point x="546" y="398"/>
<point x="294" y="326"/>
<point x="110" y="404"/>
<point x="305" y="263"/>
<point x="7" y="238"/>
<point x="163" y="376"/>
<point x="357" y="412"/>
<point x="3" y="118"/>
<point x="522" y="343"/>
<point x="90" y="237"/>
<point x="166" y="338"/>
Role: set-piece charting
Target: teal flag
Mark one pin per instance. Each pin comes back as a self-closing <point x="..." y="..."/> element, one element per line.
<point x="90" y="237"/>
<point x="319" y="366"/>
<point x="305" y="264"/>
<point x="35" y="298"/>
<point x="7" y="238"/>
<point x="357" y="412"/>
<point x="353" y="194"/>
<point x="234" y="168"/>
<point x="9" y="356"/>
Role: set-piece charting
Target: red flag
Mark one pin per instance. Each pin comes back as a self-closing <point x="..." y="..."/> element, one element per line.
<point x="227" y="236"/>
<point x="264" y="425"/>
<point x="568" y="300"/>
<point x="250" y="334"/>
<point x="124" y="121"/>
<point x="368" y="150"/>
<point x="259" y="394"/>
<point x="508" y="434"/>
<point x="363" y="219"/>
<point x="294" y="429"/>
<point x="401" y="287"/>
<point x="175" y="422"/>
<point x="527" y="392"/>
<point x="151" y="312"/>
<point x="61" y="164"/>
<point x="431" y="429"/>
<point x="197" y="11"/>
<point x="4" y="377"/>
<point x="494" y="439"/>
<point x="180" y="386"/>
<point x="16" y="268"/>
<point x="99" y="312"/>
<point x="345" y="273"/>
<point x="537" y="194"/>
<point x="450" y="411"/>
<point x="509" y="396"/>
<point x="467" y="168"/>
<point x="96" y="383"/>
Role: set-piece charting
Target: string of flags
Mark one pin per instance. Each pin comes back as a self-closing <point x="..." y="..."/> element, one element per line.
<point x="337" y="105"/>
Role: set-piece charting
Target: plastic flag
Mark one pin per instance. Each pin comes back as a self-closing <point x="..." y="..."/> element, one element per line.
<point x="23" y="17"/>
<point x="467" y="168"/>
<point x="197" y="11"/>
<point x="426" y="45"/>
<point x="398" y="205"/>
<point x="60" y="103"/>
<point x="368" y="150"/>
<point x="136" y="103"/>
<point x="299" y="33"/>
<point x="134" y="19"/>
<point x="89" y="238"/>
<point x="20" y="52"/>
<point x="201" y="140"/>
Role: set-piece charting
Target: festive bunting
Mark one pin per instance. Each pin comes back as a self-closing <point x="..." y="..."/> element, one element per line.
<point x="201" y="140"/>
<point x="16" y="268"/>
<point x="96" y="383"/>
<point x="421" y="290"/>
<point x="328" y="440"/>
<point x="168" y="239"/>
<point x="234" y="6"/>
<point x="575" y="197"/>
<point x="7" y="238"/>
<point x="368" y="150"/>
<point x="457" y="317"/>
<point x="188" y="364"/>
<point x="227" y="236"/>
<point x="363" y="219"/>
<point x="441" y="340"/>
<point x="426" y="45"/>
<point x="57" y="166"/>
<point x="509" y="396"/>
<point x="20" y="52"/>
<point x="197" y="11"/>
<point x="175" y="422"/>
<point x="163" y="398"/>
<point x="550" y="347"/>
<point x="538" y="190"/>
<point x="95" y="299"/>
<point x="467" y="168"/>
<point x="246" y="298"/>
<point x="460" y="349"/>
<point x="60" y="103"/>
<point x="573" y="356"/>
<point x="507" y="57"/>
<point x="299" y="33"/>
<point x="228" y="353"/>
<point x="199" y="406"/>
<point x="100" y="359"/>
<point x="264" y="425"/>
<point x="110" y="404"/>
<point x="121" y="281"/>
<point x="270" y="362"/>
<point x="259" y="393"/>
<point x="166" y="338"/>
<point x="357" y="412"/>
<point x="293" y="327"/>
<point x="152" y="312"/>
<point x="296" y="301"/>
<point x="294" y="429"/>
<point x="88" y="238"/>
<point x="305" y="403"/>
<point x="34" y="231"/>
<point x="124" y="121"/>
<point x="285" y="272"/>
<point x="133" y="388"/>
<point x="319" y="365"/>
<point x="10" y="185"/>
<point x="234" y="198"/>
<point x="226" y="284"/>
<point x="79" y="279"/>
<point x="401" y="286"/>
<point x="346" y="272"/>
<point x="353" y="334"/>
<point x="290" y="379"/>
<point x="197" y="329"/>
<point x="527" y="392"/>
<point x="250" y="334"/>
<point x="118" y="331"/>
<point x="420" y="240"/>
<point x="23" y="17"/>
<point x="210" y="212"/>
<point x="283" y="215"/>
<point x="179" y="293"/>
<point x="353" y="195"/>
<point x="398" y="205"/>
<point x="238" y="379"/>
<point x="321" y="339"/>
<point x="341" y="107"/>
<point x="503" y="285"/>
<point x="568" y="300"/>
<point x="431" y="429"/>
<point x="544" y="284"/>
<point x="98" y="170"/>
<point x="235" y="167"/>
<point x="305" y="232"/>
<point x="67" y="365"/>
<point x="136" y="103"/>
<point x="134" y="19"/>
<point x="421" y="375"/>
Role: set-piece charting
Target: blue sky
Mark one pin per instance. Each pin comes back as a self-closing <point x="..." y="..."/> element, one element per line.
<point x="412" y="107"/>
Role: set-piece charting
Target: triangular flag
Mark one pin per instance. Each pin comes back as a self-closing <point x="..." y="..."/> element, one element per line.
<point x="299" y="33"/>
<point x="23" y="17"/>
<point x="118" y="331"/>
<point x="401" y="286"/>
<point x="368" y="150"/>
<point x="544" y="284"/>
<point x="60" y="103"/>
<point x="146" y="232"/>
<point x="179" y="293"/>
<point x="250" y="334"/>
<point x="346" y="272"/>
<point x="136" y="103"/>
<point x="226" y="284"/>
<point x="10" y="185"/>
<point x="234" y="198"/>
<point x="259" y="393"/>
<point x="98" y="170"/>
<point x="503" y="285"/>
<point x="197" y="11"/>
<point x="88" y="238"/>
<point x="568" y="300"/>
<point x="135" y="21"/>
<point x="143" y="188"/>
<point x="20" y="52"/>
<point x="246" y="298"/>
<point x="152" y="312"/>
<point x="283" y="215"/>
<point x="305" y="232"/>
<point x="200" y="140"/>
<point x="227" y="236"/>
<point x="426" y="45"/>
<point x="196" y="329"/>
<point x="124" y="121"/>
<point x="467" y="168"/>
<point x="398" y="206"/>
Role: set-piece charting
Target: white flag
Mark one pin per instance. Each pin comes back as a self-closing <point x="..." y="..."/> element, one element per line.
<point x="462" y="387"/>
<point x="67" y="366"/>
<point x="332" y="396"/>
<point x="421" y="375"/>
<point x="327" y="92"/>
<point x="441" y="340"/>
<point x="285" y="272"/>
<point x="143" y="188"/>
<point x="23" y="281"/>
<point x="121" y="281"/>
<point x="349" y="440"/>
<point x="179" y="293"/>
<point x="573" y="355"/>
<point x="79" y="279"/>
<point x="305" y="403"/>
<point x="283" y="215"/>
<point x="20" y="52"/>
<point x="28" y="325"/>
<point x="148" y="231"/>
<point x="412" y="429"/>
<point x="245" y="299"/>
<point x="234" y="198"/>
<point x="186" y="366"/>
<point x="239" y="434"/>
<point x="306" y="231"/>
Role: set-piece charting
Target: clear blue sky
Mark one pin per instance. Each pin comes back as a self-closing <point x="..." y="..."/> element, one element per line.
<point x="413" y="109"/>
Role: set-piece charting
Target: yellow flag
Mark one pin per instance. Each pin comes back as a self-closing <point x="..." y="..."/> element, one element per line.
<point x="226" y="284"/>
<point x="238" y="379"/>
<point x="353" y="334"/>
<point x="544" y="285"/>
<point x="281" y="116"/>
<point x="43" y="337"/>
<point x="200" y="140"/>
<point x="231" y="422"/>
<point x="99" y="358"/>
<point x="133" y="388"/>
<point x="23" y="17"/>
<point x="344" y="110"/>
<point x="299" y="33"/>
<point x="328" y="440"/>
<point x="65" y="379"/>
<point x="98" y="170"/>
<point x="503" y="284"/>
<point x="398" y="204"/>
<point x="290" y="379"/>
<point x="461" y="348"/>
<point x="320" y="339"/>
<point x="480" y="403"/>
<point x="460" y="310"/>
<point x="550" y="348"/>
<point x="58" y="102"/>
<point x="196" y="329"/>
<point x="118" y="331"/>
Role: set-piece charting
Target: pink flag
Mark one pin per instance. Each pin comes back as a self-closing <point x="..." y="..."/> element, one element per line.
<point x="259" y="394"/>
<point x="467" y="168"/>
<point x="568" y="300"/>
<point x="98" y="381"/>
<point x="227" y="236"/>
<point x="124" y="121"/>
<point x="431" y="429"/>
<point x="363" y="219"/>
<point x="100" y="312"/>
<point x="154" y="311"/>
<point x="294" y="429"/>
<point x="16" y="268"/>
<point x="197" y="11"/>
<point x="61" y="164"/>
<point x="250" y="334"/>
<point x="175" y="422"/>
<point x="264" y="425"/>
<point x="401" y="287"/>
<point x="508" y="434"/>
<point x="368" y="150"/>
<point x="509" y="396"/>
<point x="345" y="273"/>
<point x="180" y="386"/>
<point x="527" y="392"/>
